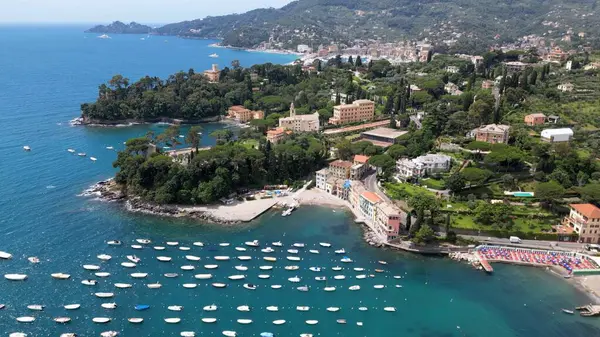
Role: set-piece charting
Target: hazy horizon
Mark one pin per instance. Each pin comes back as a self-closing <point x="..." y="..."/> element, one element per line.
<point x="150" y="12"/>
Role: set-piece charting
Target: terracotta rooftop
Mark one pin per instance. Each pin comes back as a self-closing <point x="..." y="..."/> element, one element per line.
<point x="588" y="210"/>
<point x="539" y="114"/>
<point x="361" y="159"/>
<point x="372" y="197"/>
<point x="341" y="163"/>
<point x="237" y="108"/>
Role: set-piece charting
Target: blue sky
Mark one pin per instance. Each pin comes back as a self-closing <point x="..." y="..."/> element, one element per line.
<point x="104" y="11"/>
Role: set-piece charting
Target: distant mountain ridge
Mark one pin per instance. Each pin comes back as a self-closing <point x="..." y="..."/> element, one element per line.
<point x="475" y="23"/>
<point x="119" y="27"/>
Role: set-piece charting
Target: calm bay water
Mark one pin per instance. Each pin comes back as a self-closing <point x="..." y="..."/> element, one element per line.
<point x="46" y="72"/>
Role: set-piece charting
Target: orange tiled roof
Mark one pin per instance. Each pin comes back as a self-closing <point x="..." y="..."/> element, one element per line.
<point x="341" y="163"/>
<point x="588" y="210"/>
<point x="372" y="197"/>
<point x="237" y="108"/>
<point x="361" y="159"/>
<point x="276" y="131"/>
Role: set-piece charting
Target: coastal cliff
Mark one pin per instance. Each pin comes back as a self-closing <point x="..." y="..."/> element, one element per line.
<point x="119" y="27"/>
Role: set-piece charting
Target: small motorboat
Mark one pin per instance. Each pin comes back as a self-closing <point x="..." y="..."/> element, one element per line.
<point x="236" y="277"/>
<point x="175" y="307"/>
<point x="379" y="286"/>
<point x="567" y="311"/>
<point x="203" y="276"/>
<point x="62" y="320"/>
<point x="187" y="334"/>
<point x="293" y="258"/>
<point x="341" y="321"/>
<point x="346" y="259"/>
<point x="390" y="309"/>
<point x="15" y="277"/>
<point x="135" y="320"/>
<point x="224" y="244"/>
<point x="5" y="255"/>
<point x="219" y="285"/>
<point x="211" y="266"/>
<point x="298" y="245"/>
<point x="133" y="258"/>
<point x="359" y="269"/>
<point x="272" y="308"/>
<point x="292" y="251"/>
<point x="139" y="275"/>
<point x="104" y="295"/>
<point x="277" y="244"/>
<point x="244" y="258"/>
<point x="159" y="248"/>
<point x="243" y="308"/>
<point x="306" y="335"/>
<point x="211" y="307"/>
<point x="354" y="288"/>
<point x="141" y="307"/>
<point x="35" y="307"/>
<point x="109" y="305"/>
<point x="264" y="276"/>
<point x="312" y="322"/>
<point x="336" y="268"/>
<point x="379" y="270"/>
<point x="382" y="262"/>
<point x="209" y="320"/>
<point x="154" y="285"/>
<point x="362" y="276"/>
<point x="254" y="243"/>
<point x="265" y="267"/>
<point x="244" y="321"/>
<point x="33" y="259"/>
<point x="241" y="268"/>
<point x="109" y="334"/>
<point x="279" y="321"/>
<point x="340" y="251"/>
<point x="89" y="282"/>
<point x="222" y="258"/>
<point x="329" y="289"/>
<point x="123" y="285"/>
<point x="164" y="258"/>
<point x="325" y="244"/>
<point x="294" y="279"/>
<point x="172" y="243"/>
<point x="240" y="249"/>
<point x="143" y="241"/>
<point x="270" y="259"/>
<point x="137" y="246"/>
<point x="359" y="323"/>
<point x="192" y="258"/>
<point x="170" y="275"/>
<point x="190" y="285"/>
<point x="320" y="278"/>
<point x="104" y="257"/>
<point x="229" y="333"/>
<point x="22" y="334"/>
<point x="315" y="269"/>
<point x="313" y="251"/>
<point x="60" y="276"/>
<point x="128" y="264"/>
<point x="339" y="277"/>
<point x="71" y="150"/>
<point x="213" y="55"/>
<point x="93" y="159"/>
<point x="266" y="334"/>
<point x="110" y="148"/>
<point x="363" y="308"/>
<point x="82" y="154"/>
<point x="291" y="267"/>
<point x="173" y="320"/>
<point x="198" y="244"/>
<point x="302" y="308"/>
<point x="102" y="274"/>
<point x="26" y="148"/>
<point x="114" y="243"/>
<point x="276" y="286"/>
<point x="250" y="286"/>
<point x="267" y="250"/>
<point x="25" y="319"/>
<point x="187" y="267"/>
<point x="72" y="306"/>
<point x="101" y="320"/>
<point x="303" y="288"/>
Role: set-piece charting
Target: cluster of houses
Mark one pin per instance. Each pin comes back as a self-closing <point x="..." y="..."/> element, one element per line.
<point x="499" y="133"/>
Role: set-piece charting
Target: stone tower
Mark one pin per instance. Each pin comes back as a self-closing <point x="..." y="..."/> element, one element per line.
<point x="292" y="110"/>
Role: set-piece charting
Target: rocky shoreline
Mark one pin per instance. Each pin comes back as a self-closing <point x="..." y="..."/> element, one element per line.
<point x="129" y="122"/>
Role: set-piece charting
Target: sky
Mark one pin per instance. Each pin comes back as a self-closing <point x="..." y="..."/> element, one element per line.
<point x="106" y="11"/>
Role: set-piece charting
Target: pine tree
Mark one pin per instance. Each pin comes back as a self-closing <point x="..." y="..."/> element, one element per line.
<point x="319" y="66"/>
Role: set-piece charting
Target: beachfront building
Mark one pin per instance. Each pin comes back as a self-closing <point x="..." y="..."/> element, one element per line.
<point x="422" y="166"/>
<point x="300" y="123"/>
<point x="277" y="135"/>
<point x="359" y="111"/>
<point x="367" y="205"/>
<point x="340" y="169"/>
<point x="360" y="167"/>
<point x="492" y="133"/>
<point x="556" y="135"/>
<point x="388" y="220"/>
<point x="244" y="115"/>
<point x="338" y="187"/>
<point x="213" y="73"/>
<point x="383" y="137"/>
<point x="321" y="178"/>
<point x="585" y="220"/>
<point x="535" y="119"/>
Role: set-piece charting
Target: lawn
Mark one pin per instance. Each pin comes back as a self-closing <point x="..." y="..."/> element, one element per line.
<point x="250" y="143"/>
<point x="436" y="184"/>
<point x="523" y="225"/>
<point x="402" y="191"/>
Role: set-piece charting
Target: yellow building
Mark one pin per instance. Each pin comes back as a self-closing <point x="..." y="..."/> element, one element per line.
<point x="359" y="111"/>
<point x="213" y="74"/>
<point x="243" y="115"/>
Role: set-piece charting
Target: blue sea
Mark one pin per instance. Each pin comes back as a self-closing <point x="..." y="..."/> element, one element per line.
<point x="46" y="72"/>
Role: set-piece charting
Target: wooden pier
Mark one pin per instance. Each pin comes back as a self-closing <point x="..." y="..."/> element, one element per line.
<point x="486" y="265"/>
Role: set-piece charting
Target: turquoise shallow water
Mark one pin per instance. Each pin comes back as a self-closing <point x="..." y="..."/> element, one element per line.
<point x="46" y="72"/>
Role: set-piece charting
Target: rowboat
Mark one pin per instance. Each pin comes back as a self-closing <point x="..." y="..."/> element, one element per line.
<point x="60" y="276"/>
<point x="101" y="320"/>
<point x="135" y="320"/>
<point x="209" y="320"/>
<point x="203" y="276"/>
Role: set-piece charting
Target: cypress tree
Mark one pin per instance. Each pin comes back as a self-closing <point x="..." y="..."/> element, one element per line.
<point x="358" y="61"/>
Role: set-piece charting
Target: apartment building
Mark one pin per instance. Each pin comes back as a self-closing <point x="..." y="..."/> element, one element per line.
<point x="585" y="221"/>
<point x="300" y="123"/>
<point x="340" y="169"/>
<point x="492" y="133"/>
<point x="359" y="111"/>
<point x="243" y="115"/>
<point x="277" y="135"/>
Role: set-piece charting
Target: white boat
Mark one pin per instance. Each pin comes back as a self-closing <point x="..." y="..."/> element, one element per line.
<point x="154" y="285"/>
<point x="82" y="154"/>
<point x="71" y="150"/>
<point x="240" y="249"/>
<point x="359" y="269"/>
<point x="312" y="322"/>
<point x="164" y="258"/>
<point x="339" y="277"/>
<point x="264" y="276"/>
<point x="22" y="334"/>
<point x="104" y="295"/>
<point x="340" y="251"/>
<point x="114" y="243"/>
<point x="302" y="308"/>
<point x="110" y="148"/>
<point x="277" y="244"/>
<point x="244" y="321"/>
<point x="279" y="321"/>
<point x="313" y="251"/>
<point x="26" y="148"/>
<point x="209" y="320"/>
<point x="397" y="276"/>
<point x="241" y="268"/>
<point x="5" y="255"/>
<point x="187" y="267"/>
<point x="382" y="262"/>
<point x="270" y="258"/>
<point x="294" y="279"/>
<point x="336" y="268"/>
<point x="192" y="258"/>
<point x="320" y="278"/>
<point x="35" y="307"/>
<point x="250" y="286"/>
<point x="198" y="244"/>
<point x="203" y="276"/>
<point x="265" y="267"/>
<point x="390" y="309"/>
<point x="102" y="274"/>
<point x="293" y="258"/>
<point x="287" y="212"/>
<point x="187" y="334"/>
<point x="133" y="258"/>
<point x="172" y="243"/>
<point x="229" y="333"/>
<point x="109" y="305"/>
<point x="173" y="320"/>
<point x="62" y="320"/>
<point x="292" y="251"/>
<point x="354" y="288"/>
<point x="104" y="257"/>
<point x="244" y="258"/>
<point x="333" y="309"/>
<point x="33" y="259"/>
<point x="135" y="320"/>
<point x="185" y="249"/>
<point x="224" y="244"/>
<point x="139" y="275"/>
<point x="190" y="285"/>
<point x="211" y="266"/>
<point x="211" y="307"/>
<point x="128" y="264"/>
<point x="272" y="308"/>
<point x="362" y="276"/>
<point x="363" y="308"/>
<point x="60" y="276"/>
<point x="213" y="55"/>
<point x="325" y="244"/>
<point x="379" y="286"/>
<point x="222" y="258"/>
<point x="175" y="307"/>
<point x="329" y="289"/>
<point x="101" y="320"/>
<point x="109" y="334"/>
<point x="171" y="275"/>
<point x="315" y="269"/>
<point x="291" y="267"/>
<point x="359" y="323"/>
<point x="303" y="288"/>
<point x="137" y="246"/>
<point x="143" y="241"/>
<point x="72" y="306"/>
<point x="219" y="285"/>
<point x="89" y="282"/>
<point x="104" y="36"/>
<point x="25" y="319"/>
<point x="267" y="250"/>
<point x="93" y="158"/>
<point x="159" y="248"/>
<point x="254" y="243"/>
<point x="243" y="308"/>
<point x="15" y="277"/>
<point x="237" y="277"/>
<point x="346" y="260"/>
<point x="299" y="245"/>
<point x="123" y="285"/>
<point x="276" y="286"/>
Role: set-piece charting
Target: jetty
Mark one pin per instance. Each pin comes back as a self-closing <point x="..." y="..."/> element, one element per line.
<point x="589" y="310"/>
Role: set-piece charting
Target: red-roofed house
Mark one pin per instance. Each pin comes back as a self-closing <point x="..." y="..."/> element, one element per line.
<point x="361" y="159"/>
<point x="340" y="169"/>
<point x="585" y="220"/>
